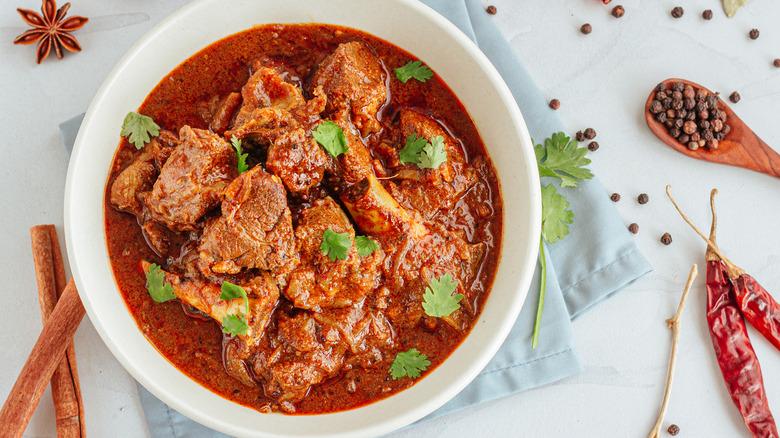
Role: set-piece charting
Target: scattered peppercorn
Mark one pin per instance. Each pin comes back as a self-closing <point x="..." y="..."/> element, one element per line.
<point x="579" y="136"/>
<point x="634" y="228"/>
<point x="753" y="34"/>
<point x="673" y="430"/>
<point x="618" y="11"/>
<point x="491" y="10"/>
<point x="734" y="97"/>
<point x="586" y="28"/>
<point x="555" y="104"/>
<point x="707" y="14"/>
<point x="592" y="146"/>
<point x="677" y="12"/>
<point x="643" y="198"/>
<point x="615" y="197"/>
<point x="666" y="239"/>
<point x="590" y="133"/>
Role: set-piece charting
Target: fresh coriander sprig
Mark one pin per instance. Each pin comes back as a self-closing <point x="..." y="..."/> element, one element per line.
<point x="413" y="69"/>
<point x="425" y="155"/>
<point x="409" y="364"/>
<point x="242" y="166"/>
<point x="563" y="159"/>
<point x="365" y="246"/>
<point x="138" y="129"/>
<point x="332" y="138"/>
<point x="159" y="289"/>
<point x="438" y="299"/>
<point x="335" y="245"/>
<point x="234" y="324"/>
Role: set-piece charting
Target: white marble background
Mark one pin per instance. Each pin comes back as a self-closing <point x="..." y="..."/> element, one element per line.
<point x="602" y="80"/>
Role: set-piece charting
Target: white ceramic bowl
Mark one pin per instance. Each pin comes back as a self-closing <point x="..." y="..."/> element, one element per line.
<point x="406" y="23"/>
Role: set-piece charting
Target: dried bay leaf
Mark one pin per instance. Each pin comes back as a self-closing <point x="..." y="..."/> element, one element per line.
<point x="732" y="6"/>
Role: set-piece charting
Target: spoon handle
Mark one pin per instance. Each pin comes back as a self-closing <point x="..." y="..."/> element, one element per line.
<point x="762" y="157"/>
<point x="40" y="365"/>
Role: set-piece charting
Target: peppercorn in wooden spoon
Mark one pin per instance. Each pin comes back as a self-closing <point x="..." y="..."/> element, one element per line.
<point x="694" y="121"/>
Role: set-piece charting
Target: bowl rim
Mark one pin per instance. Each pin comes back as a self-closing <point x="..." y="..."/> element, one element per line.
<point x="82" y="261"/>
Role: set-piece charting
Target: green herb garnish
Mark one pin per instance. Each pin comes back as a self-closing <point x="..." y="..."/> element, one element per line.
<point x="332" y="138"/>
<point x="365" y="246"/>
<point x="232" y="291"/>
<point x="335" y="245"/>
<point x="159" y="289"/>
<point x="242" y="166"/>
<point x="425" y="155"/>
<point x="413" y="69"/>
<point x="137" y="128"/>
<point x="234" y="325"/>
<point x="563" y="159"/>
<point x="409" y="364"/>
<point x="438" y="299"/>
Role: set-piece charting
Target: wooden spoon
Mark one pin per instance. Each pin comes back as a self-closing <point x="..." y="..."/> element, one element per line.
<point x="741" y="147"/>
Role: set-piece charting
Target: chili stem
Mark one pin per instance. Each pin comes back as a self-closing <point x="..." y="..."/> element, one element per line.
<point x="674" y="324"/>
<point x="542" y="288"/>
<point x="731" y="266"/>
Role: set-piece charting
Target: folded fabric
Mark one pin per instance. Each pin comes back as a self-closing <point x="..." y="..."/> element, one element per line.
<point x="596" y="260"/>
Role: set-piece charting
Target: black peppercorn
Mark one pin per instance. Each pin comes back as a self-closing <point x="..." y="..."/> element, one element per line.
<point x="704" y="115"/>
<point x="707" y="135"/>
<point x="689" y="103"/>
<point x="717" y="125"/>
<point x="674" y="132"/>
<point x="682" y="113"/>
<point x="491" y="10"/>
<point x="678" y="123"/>
<point x="677" y="95"/>
<point x="661" y="117"/>
<point x="592" y="146"/>
<point x="696" y="136"/>
<point x="586" y="28"/>
<point x="707" y="14"/>
<point x="633" y="228"/>
<point x="666" y="239"/>
<point x="615" y="197"/>
<point x="734" y="97"/>
<point x="661" y="87"/>
<point x="667" y="102"/>
<point x="704" y="124"/>
<point x="677" y="12"/>
<point x="689" y="127"/>
<point x="726" y="129"/>
<point x="678" y="86"/>
<point x="673" y="430"/>
<point x="712" y="101"/>
<point x="579" y="136"/>
<point x="618" y="11"/>
<point x="656" y="107"/>
<point x="712" y="144"/>
<point x="660" y="95"/>
<point x="701" y="106"/>
<point x="677" y="104"/>
<point x="753" y="34"/>
<point x="700" y="95"/>
<point x="590" y="133"/>
<point x="719" y="136"/>
<point x="684" y="138"/>
<point x="669" y="121"/>
<point x="691" y="115"/>
<point x="643" y="198"/>
<point x="688" y="92"/>
<point x="693" y="145"/>
<point x="776" y="62"/>
<point x="555" y="104"/>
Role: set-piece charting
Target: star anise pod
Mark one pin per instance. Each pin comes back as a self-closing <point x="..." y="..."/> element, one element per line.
<point x="50" y="29"/>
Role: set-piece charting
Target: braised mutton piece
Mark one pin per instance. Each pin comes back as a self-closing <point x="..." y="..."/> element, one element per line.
<point x="354" y="81"/>
<point x="320" y="282"/>
<point x="255" y="228"/>
<point x="193" y="179"/>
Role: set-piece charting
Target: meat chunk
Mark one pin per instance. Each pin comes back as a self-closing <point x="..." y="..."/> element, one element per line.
<point x="319" y="281"/>
<point x="134" y="180"/>
<point x="430" y="190"/>
<point x="303" y="354"/>
<point x="223" y="116"/>
<point x="255" y="228"/>
<point x="193" y="179"/>
<point x="354" y="81"/>
<point x="262" y="293"/>
<point x="298" y="160"/>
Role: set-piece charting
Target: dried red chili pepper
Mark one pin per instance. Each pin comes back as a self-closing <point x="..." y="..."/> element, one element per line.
<point x="737" y="359"/>
<point x="758" y="307"/>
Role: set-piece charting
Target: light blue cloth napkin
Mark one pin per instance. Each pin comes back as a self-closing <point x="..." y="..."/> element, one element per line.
<point x="596" y="260"/>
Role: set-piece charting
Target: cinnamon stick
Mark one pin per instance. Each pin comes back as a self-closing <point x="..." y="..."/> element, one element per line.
<point x="65" y="388"/>
<point x="40" y="365"/>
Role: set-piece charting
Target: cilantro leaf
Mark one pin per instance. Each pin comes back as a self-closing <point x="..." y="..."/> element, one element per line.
<point x="438" y="299"/>
<point x="234" y="325"/>
<point x="365" y="246"/>
<point x="555" y="214"/>
<point x="413" y="69"/>
<point x="409" y="364"/>
<point x="137" y="128"/>
<point x="242" y="166"/>
<point x="411" y="151"/>
<point x="332" y="138"/>
<point x="159" y="289"/>
<point x="562" y="158"/>
<point x="231" y="291"/>
<point x="335" y="245"/>
<point x="433" y="154"/>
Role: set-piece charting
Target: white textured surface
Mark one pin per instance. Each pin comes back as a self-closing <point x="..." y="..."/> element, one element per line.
<point x="602" y="80"/>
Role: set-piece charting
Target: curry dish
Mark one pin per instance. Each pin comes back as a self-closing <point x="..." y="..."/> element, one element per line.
<point x="350" y="272"/>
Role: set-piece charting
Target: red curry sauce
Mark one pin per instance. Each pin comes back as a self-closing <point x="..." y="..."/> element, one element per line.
<point x="194" y="343"/>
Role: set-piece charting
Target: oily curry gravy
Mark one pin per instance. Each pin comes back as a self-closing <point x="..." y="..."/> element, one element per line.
<point x="325" y="316"/>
